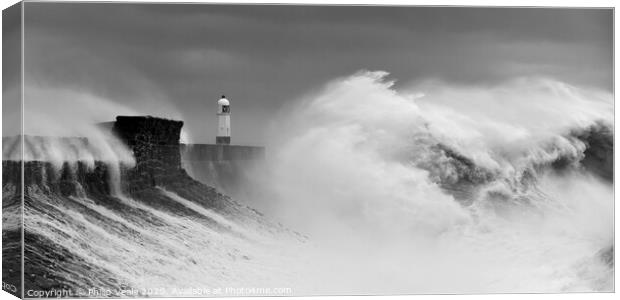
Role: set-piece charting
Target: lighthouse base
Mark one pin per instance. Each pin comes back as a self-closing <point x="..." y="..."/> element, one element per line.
<point x="222" y="140"/>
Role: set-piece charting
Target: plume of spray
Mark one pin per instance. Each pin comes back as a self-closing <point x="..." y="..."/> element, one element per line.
<point x="359" y="170"/>
<point x="61" y="127"/>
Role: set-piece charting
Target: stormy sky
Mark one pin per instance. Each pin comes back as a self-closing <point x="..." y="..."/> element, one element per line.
<point x="175" y="60"/>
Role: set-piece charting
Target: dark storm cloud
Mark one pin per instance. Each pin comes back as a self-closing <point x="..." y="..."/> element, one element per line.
<point x="11" y="70"/>
<point x="264" y="56"/>
<point x="11" y="46"/>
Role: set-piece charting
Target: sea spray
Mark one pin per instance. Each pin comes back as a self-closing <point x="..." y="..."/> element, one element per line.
<point x="409" y="189"/>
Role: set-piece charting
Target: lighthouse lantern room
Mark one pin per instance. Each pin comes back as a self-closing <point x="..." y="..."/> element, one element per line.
<point x="223" y="119"/>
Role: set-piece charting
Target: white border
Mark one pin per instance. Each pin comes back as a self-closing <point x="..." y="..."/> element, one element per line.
<point x="563" y="3"/>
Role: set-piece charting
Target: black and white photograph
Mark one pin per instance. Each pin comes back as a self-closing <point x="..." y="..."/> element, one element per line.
<point x="247" y="149"/>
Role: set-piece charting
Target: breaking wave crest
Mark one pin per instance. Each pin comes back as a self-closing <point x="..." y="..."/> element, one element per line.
<point x="499" y="189"/>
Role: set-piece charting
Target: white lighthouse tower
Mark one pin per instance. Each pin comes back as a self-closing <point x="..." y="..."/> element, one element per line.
<point x="223" y="120"/>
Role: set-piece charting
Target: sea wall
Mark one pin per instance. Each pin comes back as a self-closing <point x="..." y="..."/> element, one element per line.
<point x="211" y="152"/>
<point x="160" y="157"/>
<point x="229" y="168"/>
<point x="159" y="160"/>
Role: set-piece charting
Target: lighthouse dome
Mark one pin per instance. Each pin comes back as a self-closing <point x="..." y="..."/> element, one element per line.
<point x="223" y="101"/>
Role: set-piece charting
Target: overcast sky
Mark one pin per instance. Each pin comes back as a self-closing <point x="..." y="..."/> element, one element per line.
<point x="179" y="58"/>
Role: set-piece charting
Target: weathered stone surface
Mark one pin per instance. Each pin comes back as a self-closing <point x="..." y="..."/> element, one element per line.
<point x="147" y="130"/>
<point x="155" y="146"/>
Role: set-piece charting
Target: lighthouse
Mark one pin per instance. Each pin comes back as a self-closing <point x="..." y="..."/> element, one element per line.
<point x="223" y="120"/>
